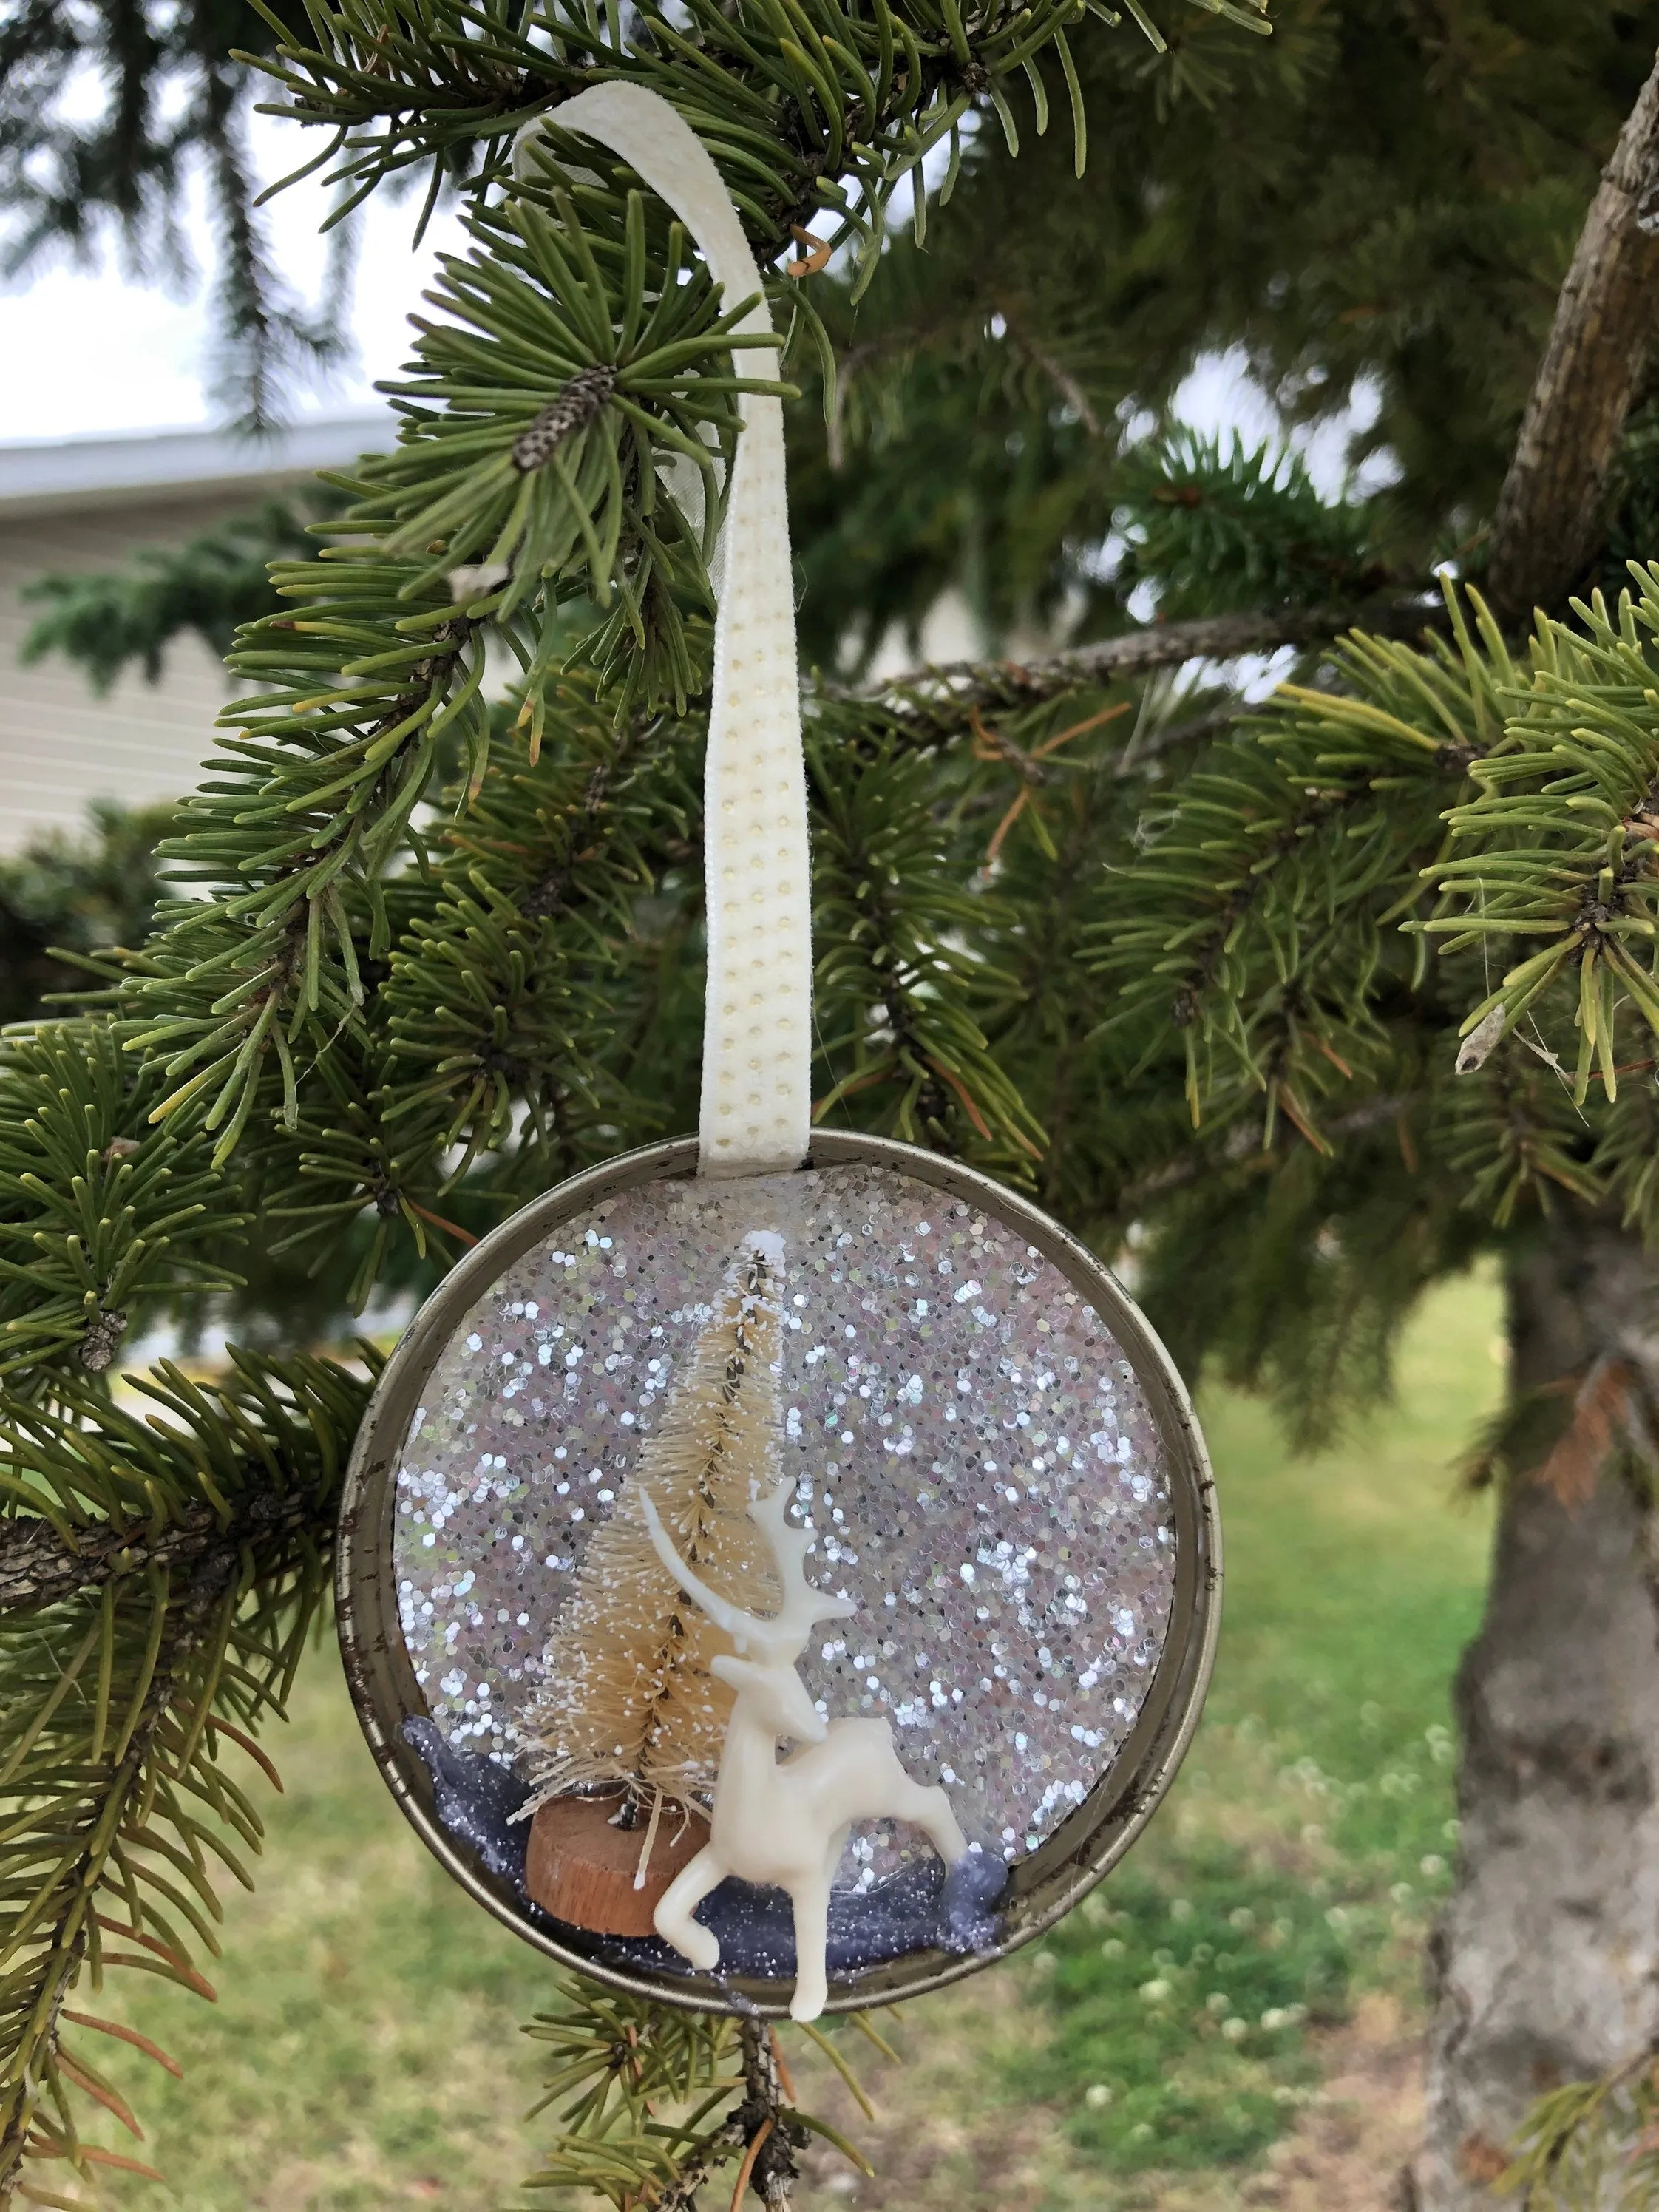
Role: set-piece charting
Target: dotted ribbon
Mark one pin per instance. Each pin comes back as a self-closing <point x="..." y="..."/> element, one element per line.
<point x="757" y="1048"/>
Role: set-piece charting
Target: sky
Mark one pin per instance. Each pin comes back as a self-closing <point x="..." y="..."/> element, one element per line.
<point x="90" y="351"/>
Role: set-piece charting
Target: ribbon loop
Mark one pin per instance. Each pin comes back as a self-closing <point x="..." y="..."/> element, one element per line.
<point x="756" y="1113"/>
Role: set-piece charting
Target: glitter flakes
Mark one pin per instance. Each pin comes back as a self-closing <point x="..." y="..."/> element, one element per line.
<point x="966" y="1438"/>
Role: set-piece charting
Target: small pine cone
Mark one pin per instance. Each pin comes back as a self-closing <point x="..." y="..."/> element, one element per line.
<point x="573" y="410"/>
<point x="104" y="1332"/>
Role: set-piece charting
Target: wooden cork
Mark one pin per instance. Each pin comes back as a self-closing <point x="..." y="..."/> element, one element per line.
<point x="580" y="1868"/>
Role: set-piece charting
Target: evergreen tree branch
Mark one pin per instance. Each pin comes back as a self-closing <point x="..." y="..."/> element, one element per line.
<point x="30" y="2127"/>
<point x="64" y="899"/>
<point x="100" y="1215"/>
<point x="1550" y="512"/>
<point x="1044" y="359"/>
<point x="211" y="584"/>
<point x="949" y="692"/>
<point x="1215" y="526"/>
<point x="1259" y="913"/>
<point x="1242" y="1148"/>
<point x="622" y="2063"/>
<point x="793" y="108"/>
<point x="109" y="115"/>
<point x="1552" y="855"/>
<point x="127" y="1658"/>
<point x="904" y="970"/>
<point x="38" y="1567"/>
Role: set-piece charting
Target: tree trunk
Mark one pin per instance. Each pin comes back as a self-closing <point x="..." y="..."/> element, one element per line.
<point x="1546" y="1966"/>
<point x="1550" y="518"/>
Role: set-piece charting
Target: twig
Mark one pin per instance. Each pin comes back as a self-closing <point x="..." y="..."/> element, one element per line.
<point x="749" y="2158"/>
<point x="1057" y="374"/>
<point x="945" y="694"/>
<point x="1242" y="1151"/>
<point x="765" y="2117"/>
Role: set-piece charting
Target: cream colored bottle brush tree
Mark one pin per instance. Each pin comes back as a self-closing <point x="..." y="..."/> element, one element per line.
<point x="632" y="1714"/>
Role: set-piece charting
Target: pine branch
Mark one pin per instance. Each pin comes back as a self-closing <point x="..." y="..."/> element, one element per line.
<point x="159" y="1577"/>
<point x="622" y="2063"/>
<point x="934" y="450"/>
<point x="384" y="657"/>
<point x="109" y="115"/>
<point x="1550" y="513"/>
<point x="949" y="692"/>
<point x="1216" y="527"/>
<point x="1271" y="914"/>
<point x="904" y="961"/>
<point x="63" y="1940"/>
<point x="1553" y="855"/>
<point x="101" y="1216"/>
<point x="1259" y="914"/>
<point x="1585" y="2143"/>
<point x="831" y="108"/>
<point x="491" y="1056"/>
<point x="63" y="898"/>
<point x="38" y="1567"/>
<point x="1242" y="1148"/>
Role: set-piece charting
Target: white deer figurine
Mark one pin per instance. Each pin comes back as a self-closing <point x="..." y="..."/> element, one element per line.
<point x="785" y="1821"/>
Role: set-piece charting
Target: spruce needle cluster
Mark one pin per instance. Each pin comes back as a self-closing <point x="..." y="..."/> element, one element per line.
<point x="628" y="1698"/>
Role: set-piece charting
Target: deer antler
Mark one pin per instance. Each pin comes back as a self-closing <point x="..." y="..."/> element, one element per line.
<point x="780" y="1635"/>
<point x="787" y="1631"/>
<point x="739" y="1625"/>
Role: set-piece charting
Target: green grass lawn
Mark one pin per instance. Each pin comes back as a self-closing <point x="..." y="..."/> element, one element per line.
<point x="364" y="2050"/>
<point x="1307" y="1842"/>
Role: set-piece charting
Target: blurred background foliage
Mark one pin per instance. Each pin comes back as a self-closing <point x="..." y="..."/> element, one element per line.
<point x="1371" y="211"/>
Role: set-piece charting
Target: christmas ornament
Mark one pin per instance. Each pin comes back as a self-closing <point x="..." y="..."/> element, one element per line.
<point x="778" y="1569"/>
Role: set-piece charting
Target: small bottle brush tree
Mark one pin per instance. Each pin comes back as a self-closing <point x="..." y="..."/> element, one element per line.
<point x="630" y="1701"/>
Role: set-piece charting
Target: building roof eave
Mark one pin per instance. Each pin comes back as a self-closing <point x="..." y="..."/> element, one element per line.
<point x="151" y="468"/>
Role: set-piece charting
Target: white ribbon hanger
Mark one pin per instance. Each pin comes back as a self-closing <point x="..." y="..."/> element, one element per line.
<point x="757" y="1048"/>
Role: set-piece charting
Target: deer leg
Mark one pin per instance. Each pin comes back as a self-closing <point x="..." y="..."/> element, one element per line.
<point x="680" y="1900"/>
<point x="930" y="1809"/>
<point x="811" y="1899"/>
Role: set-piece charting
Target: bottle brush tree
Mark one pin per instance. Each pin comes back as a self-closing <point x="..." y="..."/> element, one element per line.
<point x="629" y="1697"/>
<point x="1327" y="993"/>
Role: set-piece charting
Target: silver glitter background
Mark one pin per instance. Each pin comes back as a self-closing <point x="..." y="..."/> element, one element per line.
<point x="965" y="1434"/>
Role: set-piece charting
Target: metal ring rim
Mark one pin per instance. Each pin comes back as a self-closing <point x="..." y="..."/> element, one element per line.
<point x="1086" y="1847"/>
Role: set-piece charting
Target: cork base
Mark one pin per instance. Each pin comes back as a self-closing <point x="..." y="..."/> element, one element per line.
<point x="581" y="1869"/>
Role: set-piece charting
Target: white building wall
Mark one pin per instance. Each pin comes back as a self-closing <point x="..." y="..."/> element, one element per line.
<point x="85" y="504"/>
<point x="60" y="744"/>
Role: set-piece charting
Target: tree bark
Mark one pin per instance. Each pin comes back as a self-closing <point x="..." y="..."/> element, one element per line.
<point x="1544" y="1968"/>
<point x="38" y="1568"/>
<point x="1550" y="518"/>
